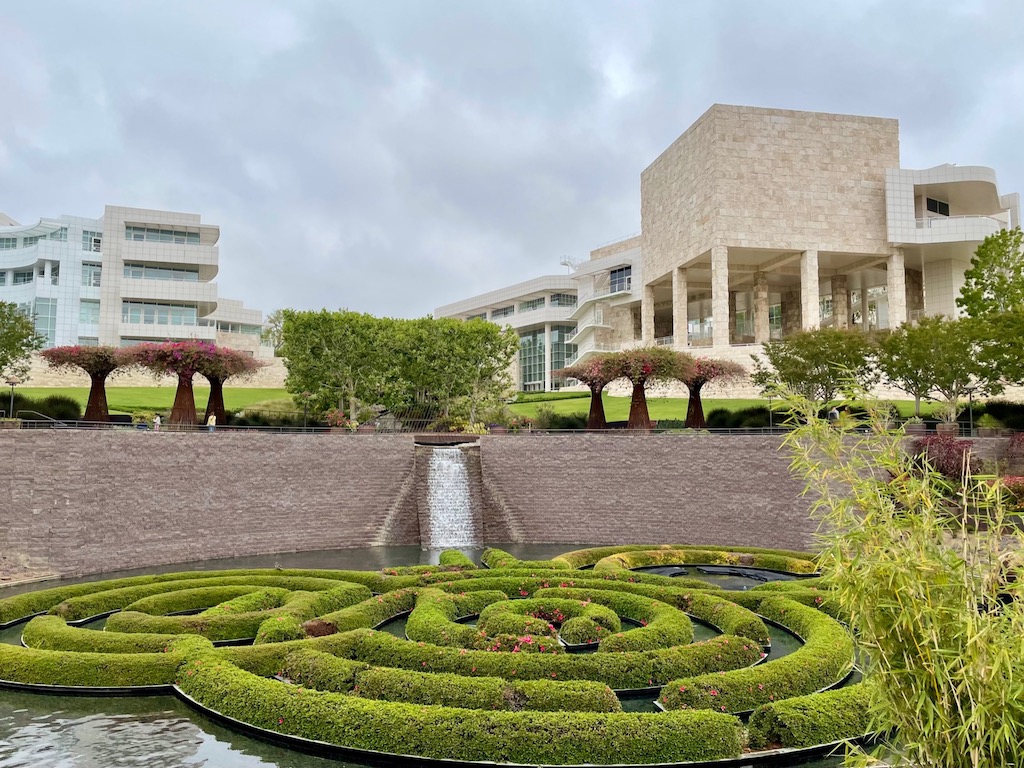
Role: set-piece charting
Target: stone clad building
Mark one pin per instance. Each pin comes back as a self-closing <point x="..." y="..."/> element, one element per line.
<point x="757" y="223"/>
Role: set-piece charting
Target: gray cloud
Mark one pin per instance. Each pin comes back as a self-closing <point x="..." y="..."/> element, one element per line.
<point x="391" y="157"/>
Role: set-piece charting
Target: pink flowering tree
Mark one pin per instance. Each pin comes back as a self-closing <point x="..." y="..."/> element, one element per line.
<point x="99" y="363"/>
<point x="597" y="372"/>
<point x="183" y="360"/>
<point x="645" y="365"/>
<point x="704" y="371"/>
<point x="222" y="365"/>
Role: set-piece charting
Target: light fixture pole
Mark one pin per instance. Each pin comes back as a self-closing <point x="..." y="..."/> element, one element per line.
<point x="771" y="415"/>
<point x="12" y="382"/>
<point x="970" y="411"/>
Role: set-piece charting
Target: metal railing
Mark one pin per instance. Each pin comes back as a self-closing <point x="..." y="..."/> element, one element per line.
<point x="929" y="222"/>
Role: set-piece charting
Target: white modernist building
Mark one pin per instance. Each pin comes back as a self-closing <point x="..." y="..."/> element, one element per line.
<point x="133" y="276"/>
<point x="757" y="223"/>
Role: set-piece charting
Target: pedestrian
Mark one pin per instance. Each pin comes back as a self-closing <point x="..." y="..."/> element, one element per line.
<point x="211" y="423"/>
<point x="833" y="415"/>
<point x="156" y="423"/>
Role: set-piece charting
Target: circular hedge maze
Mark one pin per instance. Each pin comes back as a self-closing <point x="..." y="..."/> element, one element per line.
<point x="538" y="662"/>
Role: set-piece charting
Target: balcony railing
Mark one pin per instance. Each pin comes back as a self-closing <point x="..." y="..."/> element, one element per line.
<point x="943" y="221"/>
<point x="665" y="341"/>
<point x="619" y="286"/>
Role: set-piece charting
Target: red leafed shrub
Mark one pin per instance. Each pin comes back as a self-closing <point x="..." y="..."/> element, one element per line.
<point x="1014" y="484"/>
<point x="947" y="455"/>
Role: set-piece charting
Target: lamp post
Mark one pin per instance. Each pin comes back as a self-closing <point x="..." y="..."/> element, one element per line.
<point x="12" y="382"/>
<point x="771" y="415"/>
<point x="970" y="410"/>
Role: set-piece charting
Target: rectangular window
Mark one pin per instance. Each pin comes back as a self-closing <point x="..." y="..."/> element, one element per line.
<point x="149" y="313"/>
<point x="502" y="312"/>
<point x="28" y="242"/>
<point x="91" y="275"/>
<point x="531" y="360"/>
<point x="92" y="241"/>
<point x="937" y="206"/>
<point x="561" y="352"/>
<point x="481" y="316"/>
<point x="88" y="341"/>
<point x="8" y="243"/>
<point x="531" y="305"/>
<point x="144" y="272"/>
<point x="46" y="319"/>
<point x="156" y="235"/>
<point x="55" y="273"/>
<point x="563" y="300"/>
<point x="3" y="277"/>
<point x="24" y="278"/>
<point x="58" y="234"/>
<point x="620" y="279"/>
<point x="89" y="311"/>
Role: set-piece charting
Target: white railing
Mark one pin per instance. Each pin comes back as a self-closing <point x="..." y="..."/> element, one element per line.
<point x="585" y="350"/>
<point x="606" y="290"/>
<point x="585" y="323"/>
<point x="665" y="341"/>
<point x="933" y="221"/>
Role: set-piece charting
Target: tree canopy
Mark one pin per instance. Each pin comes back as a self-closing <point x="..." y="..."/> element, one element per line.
<point x="817" y="364"/>
<point x="182" y="359"/>
<point x="995" y="281"/>
<point x="704" y="371"/>
<point x="597" y="372"/>
<point x="99" y="363"/>
<point x="644" y="365"/>
<point x="221" y="365"/>
<point x="18" y="340"/>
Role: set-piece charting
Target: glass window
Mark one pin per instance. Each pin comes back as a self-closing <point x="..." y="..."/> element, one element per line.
<point x="532" y="304"/>
<point x="88" y="341"/>
<point x="92" y="241"/>
<point x="481" y="316"/>
<point x="502" y="312"/>
<point x="620" y="279"/>
<point x="144" y="272"/>
<point x="24" y="278"/>
<point x="531" y="360"/>
<point x="3" y="277"/>
<point x="563" y="300"/>
<point x="156" y="235"/>
<point x="89" y="311"/>
<point x="55" y="273"/>
<point x="150" y="313"/>
<point x="46" y="319"/>
<point x="561" y="352"/>
<point x="28" y="242"/>
<point x="8" y="243"/>
<point x="58" y="234"/>
<point x="91" y="275"/>
<point x="938" y="206"/>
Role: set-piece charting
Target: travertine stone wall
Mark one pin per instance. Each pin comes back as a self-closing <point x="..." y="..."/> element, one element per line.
<point x="77" y="502"/>
<point x="746" y="177"/>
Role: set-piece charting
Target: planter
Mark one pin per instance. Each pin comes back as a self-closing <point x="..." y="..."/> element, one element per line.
<point x="366" y="428"/>
<point x="498" y="430"/>
<point x="948" y="428"/>
<point x="10" y="424"/>
<point x="914" y="429"/>
<point x="987" y="431"/>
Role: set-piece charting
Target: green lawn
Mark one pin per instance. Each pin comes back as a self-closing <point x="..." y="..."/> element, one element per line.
<point x="132" y="399"/>
<point x="617" y="408"/>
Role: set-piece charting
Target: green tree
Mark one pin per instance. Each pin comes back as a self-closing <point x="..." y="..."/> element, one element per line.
<point x="273" y="331"/>
<point x="18" y="340"/>
<point x="1001" y="344"/>
<point x="995" y="281"/>
<point x="99" y="363"/>
<point x="597" y="373"/>
<point x="939" y="357"/>
<point x="704" y="371"/>
<point x="817" y="364"/>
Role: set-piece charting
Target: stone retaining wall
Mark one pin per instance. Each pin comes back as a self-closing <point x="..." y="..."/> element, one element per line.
<point x="76" y="502"/>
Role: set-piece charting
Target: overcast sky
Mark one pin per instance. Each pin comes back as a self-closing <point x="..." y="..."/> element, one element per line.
<point x="391" y="157"/>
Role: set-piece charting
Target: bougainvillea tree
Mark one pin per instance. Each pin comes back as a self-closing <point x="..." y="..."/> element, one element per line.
<point x="99" y="363"/>
<point x="183" y="360"/>
<point x="705" y="370"/>
<point x="597" y="372"/>
<point x="218" y="368"/>
<point x="644" y="365"/>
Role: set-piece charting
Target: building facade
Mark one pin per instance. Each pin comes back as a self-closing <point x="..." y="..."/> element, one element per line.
<point x="132" y="276"/>
<point x="758" y="223"/>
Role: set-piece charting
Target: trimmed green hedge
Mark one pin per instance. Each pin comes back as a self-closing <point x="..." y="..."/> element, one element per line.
<point x="557" y="578"/>
<point x="322" y="671"/>
<point x="460" y="734"/>
<point x="260" y="600"/>
<point x="583" y="557"/>
<point x="824" y="660"/>
<point x="101" y="670"/>
<point x="644" y="558"/>
<point x="184" y="600"/>
<point x="51" y="633"/>
<point x="448" y="690"/>
<point x="499" y="558"/>
<point x="539" y="615"/>
<point x="617" y="670"/>
<point x="368" y="613"/>
<point x="821" y="718"/>
<point x="453" y="557"/>
<point x="279" y="629"/>
<point x="433" y="618"/>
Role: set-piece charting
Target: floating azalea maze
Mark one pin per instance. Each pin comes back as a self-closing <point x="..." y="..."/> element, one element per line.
<point x="588" y="658"/>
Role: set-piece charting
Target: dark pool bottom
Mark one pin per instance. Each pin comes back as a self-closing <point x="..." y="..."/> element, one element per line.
<point x="41" y="731"/>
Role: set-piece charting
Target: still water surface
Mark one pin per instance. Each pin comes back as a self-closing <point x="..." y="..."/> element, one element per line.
<point x="38" y="731"/>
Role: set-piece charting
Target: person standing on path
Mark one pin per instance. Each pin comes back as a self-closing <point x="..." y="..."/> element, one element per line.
<point x="156" y="423"/>
<point x="211" y="423"/>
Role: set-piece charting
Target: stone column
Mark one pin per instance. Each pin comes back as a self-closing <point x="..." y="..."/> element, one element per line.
<point x="840" y="302"/>
<point x="762" y="325"/>
<point x="915" y="292"/>
<point x="790" y="313"/>
<point x="810" y="308"/>
<point x="733" y="295"/>
<point x="547" y="357"/>
<point x="680" y="318"/>
<point x="865" y="316"/>
<point x="896" y="289"/>
<point x="720" y="295"/>
<point x="647" y="315"/>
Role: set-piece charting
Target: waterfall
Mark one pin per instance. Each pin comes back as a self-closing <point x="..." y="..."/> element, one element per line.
<point x="449" y="501"/>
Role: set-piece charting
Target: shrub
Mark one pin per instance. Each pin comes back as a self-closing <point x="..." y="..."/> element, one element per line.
<point x="186" y="600"/>
<point x="804" y="721"/>
<point x="369" y="613"/>
<point x="641" y="559"/>
<point x="455" y="558"/>
<point x="948" y="456"/>
<point x="315" y="669"/>
<point x="583" y="557"/>
<point x="51" y="633"/>
<point x="433" y="618"/>
<point x="459" y="734"/>
<point x="581" y="631"/>
<point x="259" y="600"/>
<point x="278" y="629"/>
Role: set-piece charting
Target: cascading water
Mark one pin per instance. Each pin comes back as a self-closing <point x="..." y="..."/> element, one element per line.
<point x="449" y="501"/>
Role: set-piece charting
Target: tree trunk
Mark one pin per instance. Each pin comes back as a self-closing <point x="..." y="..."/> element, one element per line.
<point x="184" y="409"/>
<point x="596" y="420"/>
<point x="917" y="405"/>
<point x="96" y="409"/>
<point x="695" y="409"/>
<point x="215" y="405"/>
<point x="638" y="415"/>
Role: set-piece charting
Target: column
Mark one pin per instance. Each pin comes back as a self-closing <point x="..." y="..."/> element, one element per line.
<point x="680" y="318"/>
<point x="47" y="271"/>
<point x="810" y="308"/>
<point x="896" y="288"/>
<point x="732" y="316"/>
<point x="720" y="295"/>
<point x="865" y="317"/>
<point x="840" y="302"/>
<point x="647" y="316"/>
<point x="762" y="326"/>
<point x="547" y="357"/>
